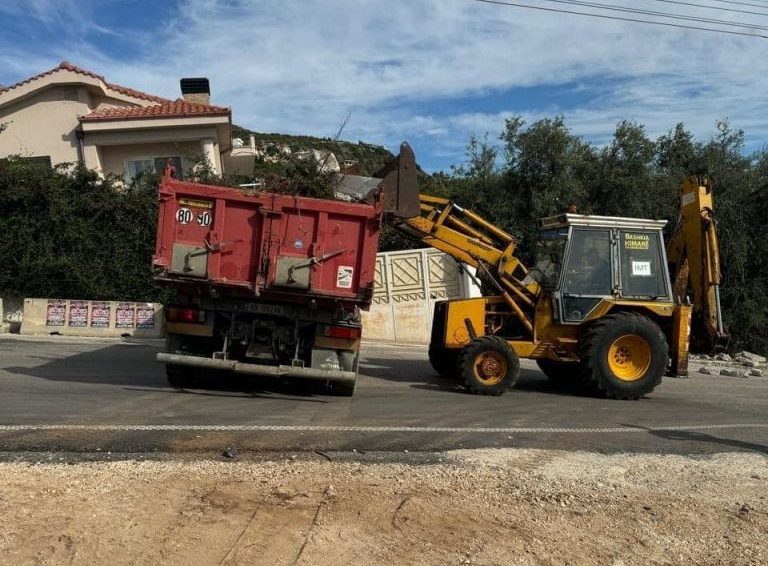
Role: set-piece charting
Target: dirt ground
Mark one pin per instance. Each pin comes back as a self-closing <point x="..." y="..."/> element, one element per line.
<point x="475" y="507"/>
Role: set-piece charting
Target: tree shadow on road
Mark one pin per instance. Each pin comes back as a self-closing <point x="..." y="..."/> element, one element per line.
<point x="134" y="368"/>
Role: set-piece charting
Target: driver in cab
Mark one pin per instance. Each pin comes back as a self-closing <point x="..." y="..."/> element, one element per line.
<point x="591" y="273"/>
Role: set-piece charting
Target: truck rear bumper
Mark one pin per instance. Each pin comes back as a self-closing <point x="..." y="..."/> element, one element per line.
<point x="257" y="369"/>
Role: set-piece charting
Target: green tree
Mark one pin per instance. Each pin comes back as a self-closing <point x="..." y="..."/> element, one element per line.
<point x="544" y="174"/>
<point x="624" y="184"/>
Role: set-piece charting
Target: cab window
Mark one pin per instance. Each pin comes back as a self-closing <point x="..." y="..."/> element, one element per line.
<point x="548" y="257"/>
<point x="589" y="263"/>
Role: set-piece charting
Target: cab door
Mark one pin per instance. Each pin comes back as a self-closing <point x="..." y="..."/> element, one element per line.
<point x="643" y="266"/>
<point x="588" y="275"/>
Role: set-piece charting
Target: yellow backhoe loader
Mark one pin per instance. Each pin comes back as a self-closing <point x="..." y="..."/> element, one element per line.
<point x="599" y="303"/>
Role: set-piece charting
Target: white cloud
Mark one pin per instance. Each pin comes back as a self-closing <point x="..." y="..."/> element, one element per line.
<point x="300" y="66"/>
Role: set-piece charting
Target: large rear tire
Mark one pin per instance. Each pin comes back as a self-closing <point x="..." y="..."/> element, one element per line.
<point x="623" y="356"/>
<point x="489" y="366"/>
<point x="444" y="361"/>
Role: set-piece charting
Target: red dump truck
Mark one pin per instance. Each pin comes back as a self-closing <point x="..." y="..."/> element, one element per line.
<point x="267" y="284"/>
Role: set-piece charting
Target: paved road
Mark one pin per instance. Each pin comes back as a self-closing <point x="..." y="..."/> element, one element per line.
<point x="87" y="396"/>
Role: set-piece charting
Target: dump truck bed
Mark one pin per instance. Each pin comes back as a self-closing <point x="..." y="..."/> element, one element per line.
<point x="278" y="247"/>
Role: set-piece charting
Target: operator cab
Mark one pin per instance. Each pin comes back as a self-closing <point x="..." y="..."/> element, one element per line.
<point x="581" y="260"/>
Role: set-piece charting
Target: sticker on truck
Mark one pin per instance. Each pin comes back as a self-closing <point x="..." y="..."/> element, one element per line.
<point x="184" y="216"/>
<point x="331" y="363"/>
<point x="344" y="277"/>
<point x="204" y="219"/>
<point x="195" y="203"/>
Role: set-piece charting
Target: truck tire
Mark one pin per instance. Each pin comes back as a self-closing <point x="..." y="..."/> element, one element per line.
<point x="623" y="356"/>
<point x="342" y="388"/>
<point x="444" y="361"/>
<point x="489" y="366"/>
<point x="181" y="377"/>
<point x="560" y="374"/>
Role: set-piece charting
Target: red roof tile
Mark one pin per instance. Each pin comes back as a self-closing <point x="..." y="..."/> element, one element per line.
<point x="66" y="66"/>
<point x="176" y="109"/>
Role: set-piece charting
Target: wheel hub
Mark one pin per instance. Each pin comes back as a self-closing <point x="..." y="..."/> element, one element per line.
<point x="629" y="357"/>
<point x="490" y="367"/>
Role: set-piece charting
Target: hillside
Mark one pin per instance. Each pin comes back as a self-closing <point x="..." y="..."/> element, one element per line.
<point x="370" y="157"/>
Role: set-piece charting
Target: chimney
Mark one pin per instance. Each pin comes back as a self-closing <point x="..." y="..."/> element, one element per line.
<point x="196" y="89"/>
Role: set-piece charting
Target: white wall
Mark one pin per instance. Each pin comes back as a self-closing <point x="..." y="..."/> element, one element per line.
<point x="408" y="283"/>
<point x="44" y="124"/>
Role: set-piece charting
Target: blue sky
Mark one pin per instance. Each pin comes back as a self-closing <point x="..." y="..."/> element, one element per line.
<point x="432" y="72"/>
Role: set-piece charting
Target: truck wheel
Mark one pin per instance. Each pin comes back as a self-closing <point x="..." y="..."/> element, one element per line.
<point x="489" y="366"/>
<point x="444" y="361"/>
<point x="341" y="388"/>
<point x="180" y="376"/>
<point x="559" y="373"/>
<point x="623" y="356"/>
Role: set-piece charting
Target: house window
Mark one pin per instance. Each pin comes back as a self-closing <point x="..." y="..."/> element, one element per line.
<point x="134" y="167"/>
<point x="161" y="162"/>
<point x="42" y="161"/>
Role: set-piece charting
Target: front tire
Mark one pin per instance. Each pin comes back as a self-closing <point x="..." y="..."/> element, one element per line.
<point x="489" y="366"/>
<point x="623" y="356"/>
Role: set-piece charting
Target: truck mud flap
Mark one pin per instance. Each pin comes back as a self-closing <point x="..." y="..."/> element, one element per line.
<point x="257" y="369"/>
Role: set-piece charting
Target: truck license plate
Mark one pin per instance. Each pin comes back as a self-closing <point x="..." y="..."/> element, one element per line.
<point x="263" y="308"/>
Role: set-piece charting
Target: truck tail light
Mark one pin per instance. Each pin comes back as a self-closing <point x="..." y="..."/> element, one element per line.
<point x="342" y="331"/>
<point x="193" y="316"/>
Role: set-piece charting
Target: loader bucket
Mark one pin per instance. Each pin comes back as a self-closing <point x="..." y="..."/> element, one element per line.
<point x="399" y="184"/>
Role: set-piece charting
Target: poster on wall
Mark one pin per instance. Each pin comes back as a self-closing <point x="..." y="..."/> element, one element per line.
<point x="145" y="315"/>
<point x="100" y="311"/>
<point x="56" y="313"/>
<point x="78" y="314"/>
<point x="124" y="315"/>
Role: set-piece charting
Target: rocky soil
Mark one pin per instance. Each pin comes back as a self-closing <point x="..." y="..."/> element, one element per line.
<point x="475" y="507"/>
<point x="743" y="365"/>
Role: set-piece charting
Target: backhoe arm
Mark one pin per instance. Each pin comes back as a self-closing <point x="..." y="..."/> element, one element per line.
<point x="694" y="259"/>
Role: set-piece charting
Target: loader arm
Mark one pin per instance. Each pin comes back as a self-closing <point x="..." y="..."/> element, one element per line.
<point x="467" y="237"/>
<point x="472" y="240"/>
<point x="694" y="258"/>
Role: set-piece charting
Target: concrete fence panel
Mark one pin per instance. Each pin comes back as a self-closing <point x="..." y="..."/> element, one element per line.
<point x="70" y="317"/>
<point x="407" y="285"/>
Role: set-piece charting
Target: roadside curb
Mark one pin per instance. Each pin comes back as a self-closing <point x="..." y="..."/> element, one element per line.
<point x="398" y="345"/>
<point x="130" y="341"/>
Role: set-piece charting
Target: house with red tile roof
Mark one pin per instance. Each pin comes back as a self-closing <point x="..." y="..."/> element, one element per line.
<point x="68" y="114"/>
